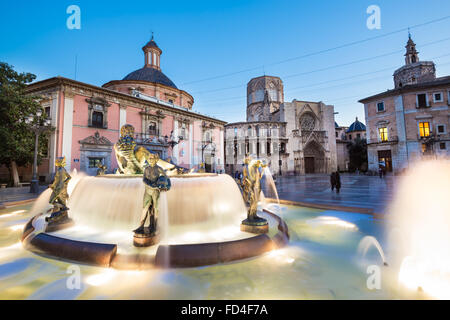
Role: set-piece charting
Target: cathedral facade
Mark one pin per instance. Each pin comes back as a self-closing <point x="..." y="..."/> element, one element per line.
<point x="295" y="137"/>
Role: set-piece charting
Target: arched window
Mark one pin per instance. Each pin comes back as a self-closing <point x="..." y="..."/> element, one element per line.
<point x="249" y="131"/>
<point x="97" y="119"/>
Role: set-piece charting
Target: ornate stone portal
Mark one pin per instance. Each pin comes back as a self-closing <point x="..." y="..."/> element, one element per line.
<point x="251" y="186"/>
<point x="155" y="180"/>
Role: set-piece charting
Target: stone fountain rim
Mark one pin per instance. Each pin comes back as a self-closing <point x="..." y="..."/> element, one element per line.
<point x="184" y="176"/>
<point x="181" y="255"/>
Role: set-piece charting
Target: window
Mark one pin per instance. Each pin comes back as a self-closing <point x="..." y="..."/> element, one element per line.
<point x="422" y="100"/>
<point x="437" y="97"/>
<point x="152" y="129"/>
<point x="98" y="112"/>
<point x="235" y="132"/>
<point x="380" y="106"/>
<point x="249" y="133"/>
<point x="94" y="162"/>
<point x="383" y="134"/>
<point x="441" y="128"/>
<point x="282" y="148"/>
<point x="171" y="101"/>
<point x="97" y="119"/>
<point x="336" y="134"/>
<point x="358" y="135"/>
<point x="47" y="111"/>
<point x="268" y="147"/>
<point x="424" y="129"/>
<point x="349" y="137"/>
<point x="442" y="146"/>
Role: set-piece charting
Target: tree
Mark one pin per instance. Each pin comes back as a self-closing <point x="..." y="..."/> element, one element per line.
<point x="357" y="150"/>
<point x="17" y="141"/>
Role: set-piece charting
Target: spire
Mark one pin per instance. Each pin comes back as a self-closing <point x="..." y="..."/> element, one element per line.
<point x="152" y="54"/>
<point x="411" y="56"/>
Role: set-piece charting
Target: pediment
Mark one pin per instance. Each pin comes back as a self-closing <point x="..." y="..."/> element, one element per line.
<point x="96" y="139"/>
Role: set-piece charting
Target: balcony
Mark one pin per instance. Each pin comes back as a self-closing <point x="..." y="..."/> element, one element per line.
<point x="147" y="138"/>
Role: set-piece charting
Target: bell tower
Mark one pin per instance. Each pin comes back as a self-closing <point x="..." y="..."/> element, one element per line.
<point x="411" y="56"/>
<point x="152" y="55"/>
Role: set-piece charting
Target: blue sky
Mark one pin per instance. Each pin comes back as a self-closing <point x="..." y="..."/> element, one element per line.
<point x="212" y="49"/>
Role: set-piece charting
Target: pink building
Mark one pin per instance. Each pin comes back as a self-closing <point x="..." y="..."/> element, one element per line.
<point x="88" y="120"/>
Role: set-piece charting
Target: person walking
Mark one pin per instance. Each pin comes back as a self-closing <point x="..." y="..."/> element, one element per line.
<point x="333" y="180"/>
<point x="337" y="179"/>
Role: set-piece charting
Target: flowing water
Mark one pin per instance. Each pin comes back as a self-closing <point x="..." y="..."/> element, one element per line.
<point x="328" y="256"/>
<point x="420" y="229"/>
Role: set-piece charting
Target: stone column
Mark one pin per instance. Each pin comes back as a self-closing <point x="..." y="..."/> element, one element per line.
<point x="191" y="144"/>
<point x="175" y="136"/>
<point x="67" y="129"/>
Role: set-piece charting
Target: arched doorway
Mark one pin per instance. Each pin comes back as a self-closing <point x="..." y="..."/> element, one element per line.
<point x="314" y="158"/>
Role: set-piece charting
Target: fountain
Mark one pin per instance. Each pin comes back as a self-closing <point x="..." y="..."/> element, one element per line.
<point x="194" y="218"/>
<point x="420" y="217"/>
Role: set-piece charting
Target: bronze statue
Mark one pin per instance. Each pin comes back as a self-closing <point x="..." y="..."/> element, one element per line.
<point x="132" y="159"/>
<point x="253" y="172"/>
<point x="155" y="180"/>
<point x="59" y="195"/>
<point x="101" y="171"/>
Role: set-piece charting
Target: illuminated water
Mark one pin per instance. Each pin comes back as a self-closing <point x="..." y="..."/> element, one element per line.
<point x="321" y="262"/>
<point x="328" y="256"/>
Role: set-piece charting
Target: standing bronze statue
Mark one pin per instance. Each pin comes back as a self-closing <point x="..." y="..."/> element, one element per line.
<point x="253" y="172"/>
<point x="101" y="171"/>
<point x="155" y="180"/>
<point x="59" y="196"/>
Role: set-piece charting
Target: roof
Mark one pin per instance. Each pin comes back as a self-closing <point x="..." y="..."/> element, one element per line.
<point x="356" y="126"/>
<point x="61" y="81"/>
<point x="408" y="87"/>
<point x="150" y="74"/>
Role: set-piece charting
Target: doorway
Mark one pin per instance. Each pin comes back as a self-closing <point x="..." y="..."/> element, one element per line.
<point x="309" y="165"/>
<point x="385" y="159"/>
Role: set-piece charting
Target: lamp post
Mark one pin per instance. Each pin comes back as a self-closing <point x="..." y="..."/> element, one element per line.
<point x="38" y="125"/>
<point x="172" y="142"/>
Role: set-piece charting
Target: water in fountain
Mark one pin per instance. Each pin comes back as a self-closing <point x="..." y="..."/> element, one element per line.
<point x="366" y="243"/>
<point x="420" y="216"/>
<point x="207" y="204"/>
<point x="269" y="186"/>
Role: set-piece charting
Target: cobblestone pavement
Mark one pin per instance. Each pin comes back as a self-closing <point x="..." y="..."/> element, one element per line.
<point x="18" y="194"/>
<point x="356" y="191"/>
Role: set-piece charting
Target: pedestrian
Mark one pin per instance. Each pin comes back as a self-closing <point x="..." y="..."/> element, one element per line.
<point x="337" y="178"/>
<point x="333" y="180"/>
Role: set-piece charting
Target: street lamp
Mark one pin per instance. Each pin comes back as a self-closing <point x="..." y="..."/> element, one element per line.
<point x="38" y="125"/>
<point x="172" y="142"/>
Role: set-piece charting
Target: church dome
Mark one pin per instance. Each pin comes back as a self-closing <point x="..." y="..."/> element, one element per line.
<point x="356" y="126"/>
<point x="151" y="75"/>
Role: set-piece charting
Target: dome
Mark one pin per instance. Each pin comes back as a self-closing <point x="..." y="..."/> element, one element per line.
<point x="151" y="75"/>
<point x="356" y="126"/>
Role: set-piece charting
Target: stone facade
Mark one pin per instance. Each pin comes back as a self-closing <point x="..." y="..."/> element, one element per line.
<point x="295" y="137"/>
<point x="265" y="90"/>
<point x="408" y="123"/>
